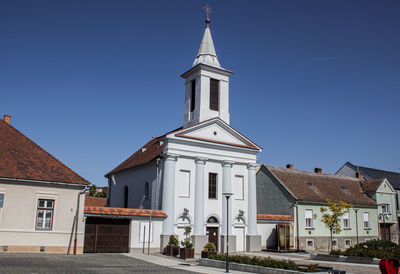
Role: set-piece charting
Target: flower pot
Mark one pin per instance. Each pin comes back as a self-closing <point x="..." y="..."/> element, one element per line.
<point x="206" y="254"/>
<point x="186" y="253"/>
<point x="172" y="250"/>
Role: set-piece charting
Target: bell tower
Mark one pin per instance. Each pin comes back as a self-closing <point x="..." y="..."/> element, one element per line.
<point x="206" y="85"/>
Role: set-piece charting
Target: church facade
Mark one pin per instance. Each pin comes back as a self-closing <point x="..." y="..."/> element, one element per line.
<point x="186" y="172"/>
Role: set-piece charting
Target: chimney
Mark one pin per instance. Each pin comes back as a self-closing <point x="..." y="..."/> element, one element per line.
<point x="318" y="170"/>
<point x="289" y="166"/>
<point x="7" y="118"/>
<point x="358" y="175"/>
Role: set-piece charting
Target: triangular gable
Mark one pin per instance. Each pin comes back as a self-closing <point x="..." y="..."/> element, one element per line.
<point x="382" y="188"/>
<point x="216" y="131"/>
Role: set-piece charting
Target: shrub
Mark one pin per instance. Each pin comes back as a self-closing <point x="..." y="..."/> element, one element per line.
<point x="173" y="241"/>
<point x="265" y="262"/>
<point x="210" y="247"/>
<point x="375" y="249"/>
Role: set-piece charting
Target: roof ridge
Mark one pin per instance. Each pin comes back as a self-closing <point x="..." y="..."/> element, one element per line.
<point x="32" y="142"/>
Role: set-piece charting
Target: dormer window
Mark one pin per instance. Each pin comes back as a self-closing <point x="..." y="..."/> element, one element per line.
<point x="193" y="96"/>
<point x="214" y="94"/>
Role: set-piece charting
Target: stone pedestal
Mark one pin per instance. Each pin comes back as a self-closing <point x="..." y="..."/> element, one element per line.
<point x="164" y="239"/>
<point x="199" y="242"/>
<point x="232" y="243"/>
<point x="253" y="243"/>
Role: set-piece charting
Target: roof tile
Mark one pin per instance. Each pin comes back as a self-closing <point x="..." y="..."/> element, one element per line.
<point x="101" y="210"/>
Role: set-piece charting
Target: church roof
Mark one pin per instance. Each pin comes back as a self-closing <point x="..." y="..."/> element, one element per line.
<point x="23" y="159"/>
<point x="318" y="187"/>
<point x="207" y="54"/>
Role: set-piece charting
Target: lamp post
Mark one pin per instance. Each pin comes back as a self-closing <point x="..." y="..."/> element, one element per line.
<point x="356" y="210"/>
<point x="227" y="196"/>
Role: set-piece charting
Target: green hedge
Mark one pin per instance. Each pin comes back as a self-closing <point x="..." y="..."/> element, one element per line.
<point x="374" y="249"/>
<point x="266" y="262"/>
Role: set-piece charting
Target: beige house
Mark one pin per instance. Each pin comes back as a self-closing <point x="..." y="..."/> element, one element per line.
<point x="39" y="197"/>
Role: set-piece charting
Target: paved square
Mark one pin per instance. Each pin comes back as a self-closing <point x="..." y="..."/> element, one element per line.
<point x="86" y="263"/>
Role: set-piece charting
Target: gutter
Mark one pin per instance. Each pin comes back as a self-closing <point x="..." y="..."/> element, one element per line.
<point x="42" y="182"/>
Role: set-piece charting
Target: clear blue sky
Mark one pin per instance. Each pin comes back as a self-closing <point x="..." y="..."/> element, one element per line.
<point x="316" y="83"/>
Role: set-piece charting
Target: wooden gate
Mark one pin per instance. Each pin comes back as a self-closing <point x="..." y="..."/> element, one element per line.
<point x="105" y="235"/>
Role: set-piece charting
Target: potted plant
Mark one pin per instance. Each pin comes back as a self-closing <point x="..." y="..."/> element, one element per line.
<point x="209" y="249"/>
<point x="173" y="246"/>
<point x="187" y="251"/>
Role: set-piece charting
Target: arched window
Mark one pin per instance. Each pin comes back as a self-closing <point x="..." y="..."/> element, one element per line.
<point x="212" y="220"/>
<point x="146" y="191"/>
<point x="126" y="194"/>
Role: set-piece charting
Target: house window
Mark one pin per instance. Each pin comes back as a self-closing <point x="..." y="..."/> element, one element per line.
<point x="193" y="96"/>
<point x="146" y="191"/>
<point x="346" y="220"/>
<point x="1" y="200"/>
<point x="310" y="243"/>
<point x="212" y="186"/>
<point x="126" y="194"/>
<point x="309" y="218"/>
<point x="366" y="220"/>
<point x="44" y="214"/>
<point x="334" y="244"/>
<point x="385" y="208"/>
<point x="347" y="243"/>
<point x="214" y="94"/>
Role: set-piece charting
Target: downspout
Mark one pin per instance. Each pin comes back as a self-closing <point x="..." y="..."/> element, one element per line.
<point x="77" y="216"/>
<point x="297" y="227"/>
<point x="157" y="201"/>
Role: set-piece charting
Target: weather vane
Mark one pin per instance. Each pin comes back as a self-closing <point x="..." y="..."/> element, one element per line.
<point x="208" y="10"/>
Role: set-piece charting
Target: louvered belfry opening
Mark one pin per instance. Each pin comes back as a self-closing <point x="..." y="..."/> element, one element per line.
<point x="193" y="96"/>
<point x="214" y="94"/>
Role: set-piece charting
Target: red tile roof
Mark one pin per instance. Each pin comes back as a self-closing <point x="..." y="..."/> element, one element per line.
<point x="94" y="201"/>
<point x="21" y="158"/>
<point x="145" y="154"/>
<point x="118" y="211"/>
<point x="274" y="217"/>
<point x="311" y="186"/>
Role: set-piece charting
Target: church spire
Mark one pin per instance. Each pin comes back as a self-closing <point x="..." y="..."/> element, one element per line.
<point x="206" y="54"/>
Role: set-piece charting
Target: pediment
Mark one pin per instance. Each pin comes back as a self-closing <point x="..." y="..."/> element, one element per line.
<point x="216" y="131"/>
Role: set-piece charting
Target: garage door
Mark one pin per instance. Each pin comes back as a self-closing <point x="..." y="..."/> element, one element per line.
<point x="103" y="235"/>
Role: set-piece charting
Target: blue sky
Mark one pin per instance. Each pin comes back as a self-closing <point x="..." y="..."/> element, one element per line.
<point x="316" y="83"/>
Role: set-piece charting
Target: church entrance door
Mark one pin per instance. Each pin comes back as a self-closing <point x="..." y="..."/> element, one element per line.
<point x="212" y="233"/>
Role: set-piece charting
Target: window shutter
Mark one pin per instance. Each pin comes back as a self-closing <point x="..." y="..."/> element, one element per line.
<point x="366" y="216"/>
<point x="346" y="215"/>
<point x="308" y="214"/>
<point x="214" y="94"/>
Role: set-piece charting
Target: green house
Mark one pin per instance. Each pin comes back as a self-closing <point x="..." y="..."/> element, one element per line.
<point x="301" y="194"/>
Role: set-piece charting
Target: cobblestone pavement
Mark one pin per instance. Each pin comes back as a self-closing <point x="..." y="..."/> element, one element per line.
<point x="86" y="263"/>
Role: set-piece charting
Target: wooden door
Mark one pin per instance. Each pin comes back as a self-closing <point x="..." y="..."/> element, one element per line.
<point x="104" y="235"/>
<point x="385" y="231"/>
<point x="212" y="233"/>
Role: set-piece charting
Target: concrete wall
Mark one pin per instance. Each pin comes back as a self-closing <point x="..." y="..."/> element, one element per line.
<point x="272" y="197"/>
<point x="141" y="225"/>
<point x="18" y="218"/>
<point x="134" y="179"/>
<point x="267" y="230"/>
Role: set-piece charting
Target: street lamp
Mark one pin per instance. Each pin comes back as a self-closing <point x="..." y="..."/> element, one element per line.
<point x="227" y="196"/>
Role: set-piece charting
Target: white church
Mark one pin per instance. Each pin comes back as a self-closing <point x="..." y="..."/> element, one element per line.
<point x="185" y="172"/>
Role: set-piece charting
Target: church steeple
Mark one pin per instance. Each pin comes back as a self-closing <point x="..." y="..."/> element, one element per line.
<point x="207" y="85"/>
<point x="206" y="54"/>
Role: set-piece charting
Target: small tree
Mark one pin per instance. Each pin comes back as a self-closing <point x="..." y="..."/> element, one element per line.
<point x="331" y="216"/>
<point x="92" y="190"/>
<point x="187" y="243"/>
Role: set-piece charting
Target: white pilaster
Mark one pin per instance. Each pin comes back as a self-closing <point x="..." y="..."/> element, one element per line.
<point x="226" y="187"/>
<point x="252" y="199"/>
<point x="168" y="199"/>
<point x="199" y="197"/>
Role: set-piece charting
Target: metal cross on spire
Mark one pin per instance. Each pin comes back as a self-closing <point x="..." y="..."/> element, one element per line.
<point x="208" y="10"/>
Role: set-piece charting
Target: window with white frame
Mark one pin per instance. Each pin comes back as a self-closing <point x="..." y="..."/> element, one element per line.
<point x="366" y="220"/>
<point x="44" y="214"/>
<point x="346" y="220"/>
<point x="334" y="244"/>
<point x="1" y="200"/>
<point x="347" y="242"/>
<point x="309" y="218"/>
<point x="385" y="208"/>
<point x="310" y="243"/>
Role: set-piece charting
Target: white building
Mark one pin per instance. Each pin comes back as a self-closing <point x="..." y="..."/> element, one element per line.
<point x="186" y="171"/>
